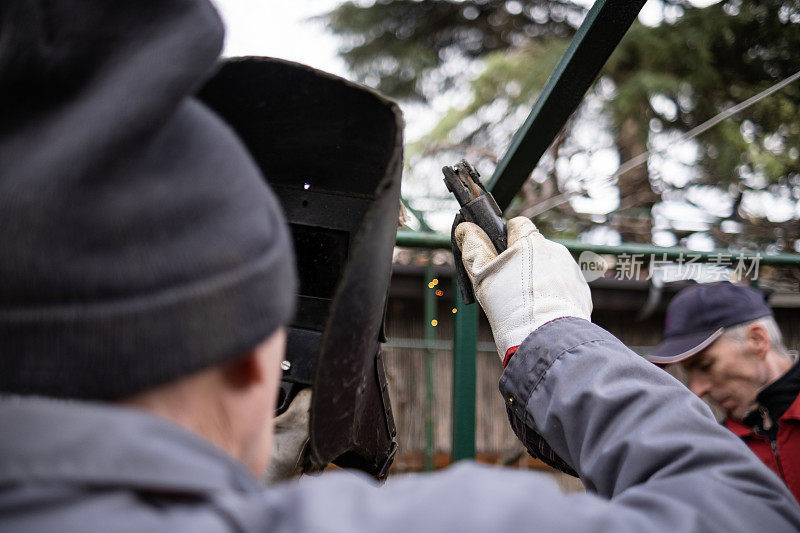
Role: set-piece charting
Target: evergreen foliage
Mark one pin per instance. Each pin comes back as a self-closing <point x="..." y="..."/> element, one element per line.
<point x="662" y="81"/>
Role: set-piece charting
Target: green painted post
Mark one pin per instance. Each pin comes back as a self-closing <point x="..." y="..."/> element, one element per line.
<point x="602" y="29"/>
<point x="430" y="338"/>
<point x="465" y="341"/>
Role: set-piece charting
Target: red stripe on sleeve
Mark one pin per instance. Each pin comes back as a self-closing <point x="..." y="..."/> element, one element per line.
<point x="511" y="351"/>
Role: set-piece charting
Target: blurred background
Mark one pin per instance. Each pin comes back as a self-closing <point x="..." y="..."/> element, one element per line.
<point x="466" y="74"/>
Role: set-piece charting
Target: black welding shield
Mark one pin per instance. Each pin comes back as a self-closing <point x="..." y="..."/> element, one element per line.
<point x="332" y="151"/>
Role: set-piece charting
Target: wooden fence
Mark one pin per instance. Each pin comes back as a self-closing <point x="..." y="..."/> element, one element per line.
<point x="617" y="306"/>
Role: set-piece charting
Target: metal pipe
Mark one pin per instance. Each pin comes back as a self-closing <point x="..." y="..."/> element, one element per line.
<point x="430" y="339"/>
<point x="662" y="252"/>
<point x="465" y="337"/>
<point x="601" y="31"/>
<point x="419" y="239"/>
<point x="415" y="239"/>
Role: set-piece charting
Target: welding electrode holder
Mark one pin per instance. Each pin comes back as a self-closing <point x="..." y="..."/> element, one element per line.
<point x="477" y="206"/>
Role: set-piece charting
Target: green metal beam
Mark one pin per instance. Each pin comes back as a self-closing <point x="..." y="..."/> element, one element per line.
<point x="413" y="239"/>
<point x="595" y="40"/>
<point x="465" y="340"/>
<point x="430" y="338"/>
<point x="419" y="239"/>
<point x="662" y="252"/>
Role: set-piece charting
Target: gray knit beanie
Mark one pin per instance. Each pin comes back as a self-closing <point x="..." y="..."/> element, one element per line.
<point x="138" y="240"/>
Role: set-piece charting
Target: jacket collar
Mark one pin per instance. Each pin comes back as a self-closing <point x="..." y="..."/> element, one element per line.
<point x="95" y="444"/>
<point x="793" y="412"/>
<point x="738" y="429"/>
<point x="741" y="430"/>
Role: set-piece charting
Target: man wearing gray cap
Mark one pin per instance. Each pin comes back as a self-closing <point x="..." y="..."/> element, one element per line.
<point x="726" y="338"/>
<point x="145" y="282"/>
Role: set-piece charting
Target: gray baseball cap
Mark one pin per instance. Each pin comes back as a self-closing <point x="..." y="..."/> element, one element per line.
<point x="698" y="315"/>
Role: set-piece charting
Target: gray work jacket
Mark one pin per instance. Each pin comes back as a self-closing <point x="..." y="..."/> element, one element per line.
<point x="650" y="453"/>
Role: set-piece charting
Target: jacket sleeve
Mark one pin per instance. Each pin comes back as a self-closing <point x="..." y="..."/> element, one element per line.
<point x="649" y="452"/>
<point x="636" y="436"/>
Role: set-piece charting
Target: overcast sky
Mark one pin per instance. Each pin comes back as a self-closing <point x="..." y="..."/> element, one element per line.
<point x="281" y="28"/>
<point x="286" y="29"/>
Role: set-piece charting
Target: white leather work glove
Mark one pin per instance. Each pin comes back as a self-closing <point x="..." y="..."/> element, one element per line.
<point x="533" y="282"/>
<point x="290" y="440"/>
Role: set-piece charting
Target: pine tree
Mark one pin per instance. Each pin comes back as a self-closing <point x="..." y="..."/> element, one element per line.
<point x="660" y="82"/>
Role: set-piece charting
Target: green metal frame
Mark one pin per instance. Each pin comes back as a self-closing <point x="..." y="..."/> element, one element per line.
<point x="465" y="337"/>
<point x="465" y="352"/>
<point x="601" y="31"/>
<point x="604" y="26"/>
<point x="413" y="239"/>
<point x="430" y="338"/>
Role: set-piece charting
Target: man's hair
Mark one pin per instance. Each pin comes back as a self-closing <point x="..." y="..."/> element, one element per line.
<point x="738" y="333"/>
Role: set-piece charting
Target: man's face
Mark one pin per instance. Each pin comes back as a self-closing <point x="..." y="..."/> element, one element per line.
<point x="729" y="373"/>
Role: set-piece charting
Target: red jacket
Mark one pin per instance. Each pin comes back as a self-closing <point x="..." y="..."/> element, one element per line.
<point x="783" y="455"/>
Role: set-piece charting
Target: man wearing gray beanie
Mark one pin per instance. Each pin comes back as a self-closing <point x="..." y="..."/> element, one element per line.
<point x="146" y="277"/>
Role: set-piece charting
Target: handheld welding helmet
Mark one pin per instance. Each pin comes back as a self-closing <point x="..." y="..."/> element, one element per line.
<point x="332" y="151"/>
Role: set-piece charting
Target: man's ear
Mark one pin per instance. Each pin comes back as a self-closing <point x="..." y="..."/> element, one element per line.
<point x="259" y="365"/>
<point x="757" y="340"/>
<point x="244" y="370"/>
